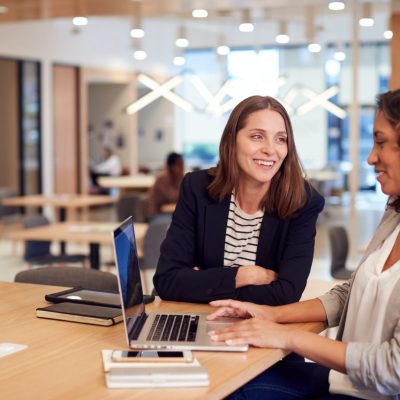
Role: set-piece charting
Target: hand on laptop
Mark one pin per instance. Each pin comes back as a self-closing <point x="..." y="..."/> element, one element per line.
<point x="239" y="309"/>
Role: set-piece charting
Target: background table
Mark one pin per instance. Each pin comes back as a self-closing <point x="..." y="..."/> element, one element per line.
<point x="63" y="359"/>
<point x="66" y="204"/>
<point x="93" y="233"/>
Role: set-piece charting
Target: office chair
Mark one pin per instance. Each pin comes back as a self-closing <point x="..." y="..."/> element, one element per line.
<point x="69" y="277"/>
<point x="152" y="241"/>
<point x="132" y="204"/>
<point x="38" y="252"/>
<point x="339" y="244"/>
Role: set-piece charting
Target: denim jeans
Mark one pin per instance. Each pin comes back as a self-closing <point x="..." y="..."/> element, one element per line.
<point x="289" y="379"/>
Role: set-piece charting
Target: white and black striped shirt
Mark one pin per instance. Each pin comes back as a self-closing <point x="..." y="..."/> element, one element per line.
<point x="241" y="237"/>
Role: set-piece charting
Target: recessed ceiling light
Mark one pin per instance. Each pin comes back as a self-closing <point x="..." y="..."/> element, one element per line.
<point x="199" y="13"/>
<point x="366" y="22"/>
<point x="336" y="5"/>
<point x="388" y="34"/>
<point x="140" y="55"/>
<point x="339" y="55"/>
<point x="282" y="38"/>
<point x="223" y="50"/>
<point x="137" y="33"/>
<point x="80" y="21"/>
<point x="314" y="47"/>
<point x="179" y="61"/>
<point x="246" y="27"/>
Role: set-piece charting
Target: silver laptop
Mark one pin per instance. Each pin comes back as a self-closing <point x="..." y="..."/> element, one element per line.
<point x="145" y="330"/>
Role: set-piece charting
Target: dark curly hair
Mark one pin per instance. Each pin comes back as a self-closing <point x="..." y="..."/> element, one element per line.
<point x="389" y="104"/>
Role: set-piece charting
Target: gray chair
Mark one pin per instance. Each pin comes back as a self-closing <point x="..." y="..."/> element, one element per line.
<point x="132" y="204"/>
<point x="69" y="277"/>
<point x="339" y="244"/>
<point x="152" y="241"/>
<point x="38" y="252"/>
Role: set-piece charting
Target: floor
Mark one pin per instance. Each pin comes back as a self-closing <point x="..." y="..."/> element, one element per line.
<point x="360" y="223"/>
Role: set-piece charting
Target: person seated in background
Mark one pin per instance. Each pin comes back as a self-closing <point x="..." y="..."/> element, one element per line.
<point x="167" y="184"/>
<point x="364" y="360"/>
<point x="110" y="166"/>
<point x="245" y="229"/>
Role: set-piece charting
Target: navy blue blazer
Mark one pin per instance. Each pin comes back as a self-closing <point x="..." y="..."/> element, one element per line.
<point x="196" y="237"/>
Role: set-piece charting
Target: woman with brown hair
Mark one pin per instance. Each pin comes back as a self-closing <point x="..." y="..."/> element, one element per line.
<point x="246" y="228"/>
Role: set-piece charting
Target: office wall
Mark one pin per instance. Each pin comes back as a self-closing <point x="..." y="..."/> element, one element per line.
<point x="107" y="102"/>
<point x="9" y="138"/>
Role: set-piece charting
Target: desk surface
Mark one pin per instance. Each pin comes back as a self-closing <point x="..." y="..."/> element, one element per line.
<point x="138" y="182"/>
<point x="63" y="359"/>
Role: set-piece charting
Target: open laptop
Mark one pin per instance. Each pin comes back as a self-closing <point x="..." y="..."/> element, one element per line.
<point x="145" y="330"/>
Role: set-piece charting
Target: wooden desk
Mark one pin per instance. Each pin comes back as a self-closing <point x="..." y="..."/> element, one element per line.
<point x="66" y="204"/>
<point x="93" y="233"/>
<point x="130" y="182"/>
<point x="63" y="359"/>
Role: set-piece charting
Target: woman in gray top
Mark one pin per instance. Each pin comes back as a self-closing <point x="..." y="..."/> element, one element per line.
<point x="364" y="361"/>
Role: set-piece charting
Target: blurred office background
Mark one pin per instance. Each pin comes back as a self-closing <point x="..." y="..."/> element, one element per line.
<point x="152" y="76"/>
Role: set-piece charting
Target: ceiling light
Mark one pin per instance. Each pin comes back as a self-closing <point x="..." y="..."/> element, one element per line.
<point x="366" y="20"/>
<point x="388" y="34"/>
<point x="336" y="5"/>
<point x="223" y="50"/>
<point x="282" y="37"/>
<point x="179" y="61"/>
<point x="339" y="55"/>
<point x="80" y="21"/>
<point x="3" y="9"/>
<point x="140" y="55"/>
<point x="137" y="33"/>
<point x="182" y="40"/>
<point x="246" y="25"/>
<point x="314" y="47"/>
<point x="199" y="13"/>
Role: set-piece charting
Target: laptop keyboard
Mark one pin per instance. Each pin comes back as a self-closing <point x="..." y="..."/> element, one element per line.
<point x="180" y="328"/>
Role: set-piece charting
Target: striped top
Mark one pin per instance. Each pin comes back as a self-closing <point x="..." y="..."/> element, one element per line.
<point x="241" y="237"/>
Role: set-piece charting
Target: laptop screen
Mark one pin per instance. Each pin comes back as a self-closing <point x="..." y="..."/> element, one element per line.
<point x="130" y="284"/>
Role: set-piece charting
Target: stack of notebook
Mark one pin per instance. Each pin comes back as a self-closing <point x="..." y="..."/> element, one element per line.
<point x="84" y="306"/>
<point x="153" y="374"/>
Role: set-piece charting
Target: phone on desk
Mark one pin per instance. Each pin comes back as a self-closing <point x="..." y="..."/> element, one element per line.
<point x="151" y="356"/>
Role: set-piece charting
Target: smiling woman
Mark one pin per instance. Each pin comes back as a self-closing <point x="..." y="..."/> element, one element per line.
<point x="246" y="228"/>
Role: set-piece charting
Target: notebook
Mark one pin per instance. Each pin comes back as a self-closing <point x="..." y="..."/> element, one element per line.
<point x="155" y="330"/>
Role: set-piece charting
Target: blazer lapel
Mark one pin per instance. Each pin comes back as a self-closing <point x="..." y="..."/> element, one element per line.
<point x="268" y="229"/>
<point x="216" y="218"/>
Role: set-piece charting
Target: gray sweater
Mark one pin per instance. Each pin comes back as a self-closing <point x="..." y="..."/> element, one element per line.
<point x="369" y="365"/>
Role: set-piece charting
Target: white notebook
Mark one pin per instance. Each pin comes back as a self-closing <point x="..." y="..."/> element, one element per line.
<point x="153" y="374"/>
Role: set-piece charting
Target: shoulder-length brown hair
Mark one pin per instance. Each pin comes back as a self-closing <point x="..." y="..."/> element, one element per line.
<point x="389" y="104"/>
<point x="286" y="194"/>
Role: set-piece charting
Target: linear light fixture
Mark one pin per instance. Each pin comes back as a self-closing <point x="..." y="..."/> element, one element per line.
<point x="322" y="101"/>
<point x="171" y="96"/>
<point x="153" y="95"/>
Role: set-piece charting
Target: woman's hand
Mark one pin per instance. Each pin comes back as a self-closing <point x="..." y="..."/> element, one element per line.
<point x="254" y="275"/>
<point x="255" y="332"/>
<point x="240" y="309"/>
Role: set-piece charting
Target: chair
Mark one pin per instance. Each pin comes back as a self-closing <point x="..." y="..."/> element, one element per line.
<point x="339" y="244"/>
<point x="152" y="241"/>
<point x="69" y="277"/>
<point x="132" y="204"/>
<point x="38" y="252"/>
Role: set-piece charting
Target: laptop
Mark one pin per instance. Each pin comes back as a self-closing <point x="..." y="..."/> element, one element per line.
<point x="147" y="330"/>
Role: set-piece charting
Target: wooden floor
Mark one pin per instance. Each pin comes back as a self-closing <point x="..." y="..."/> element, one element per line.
<point x="361" y="225"/>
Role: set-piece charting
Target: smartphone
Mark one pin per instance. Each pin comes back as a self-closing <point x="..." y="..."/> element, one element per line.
<point x="151" y="356"/>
